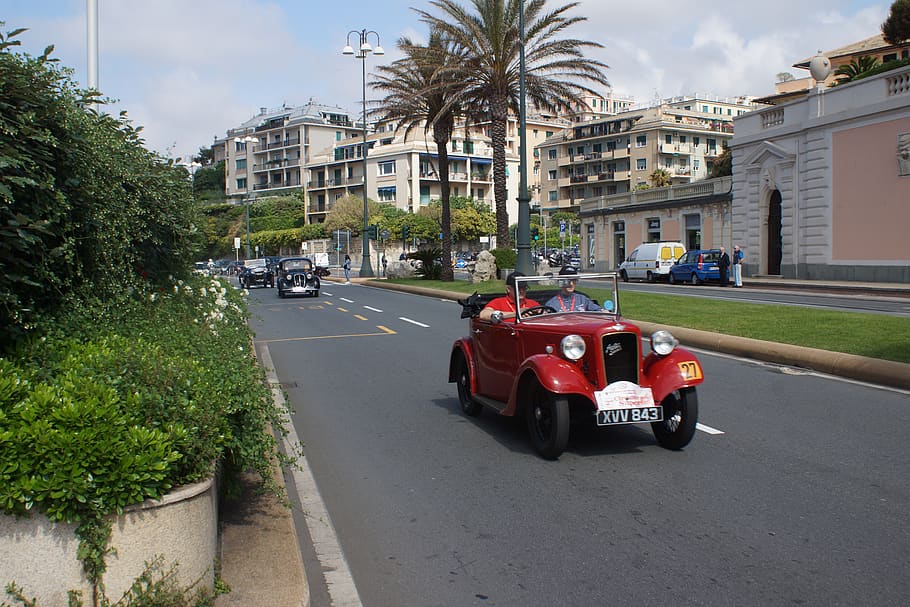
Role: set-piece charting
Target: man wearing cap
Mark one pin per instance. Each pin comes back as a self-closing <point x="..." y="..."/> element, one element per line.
<point x="506" y="304"/>
<point x="567" y="300"/>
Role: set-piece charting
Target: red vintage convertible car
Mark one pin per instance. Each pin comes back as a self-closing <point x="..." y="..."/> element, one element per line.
<point x="552" y="367"/>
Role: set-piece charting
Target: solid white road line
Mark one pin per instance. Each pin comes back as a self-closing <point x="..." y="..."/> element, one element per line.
<point x="346" y="299"/>
<point x="373" y="309"/>
<point x="707" y="429"/>
<point x="414" y="322"/>
<point x="335" y="570"/>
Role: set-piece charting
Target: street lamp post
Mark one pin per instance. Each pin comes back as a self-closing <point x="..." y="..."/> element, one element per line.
<point x="524" y="199"/>
<point x="246" y="141"/>
<point x="193" y="167"/>
<point x="366" y="268"/>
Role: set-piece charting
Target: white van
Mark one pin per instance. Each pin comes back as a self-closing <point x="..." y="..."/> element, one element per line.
<point x="651" y="260"/>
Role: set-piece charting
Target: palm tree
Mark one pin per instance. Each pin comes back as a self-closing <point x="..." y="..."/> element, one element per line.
<point x="660" y="178"/>
<point x="855" y="69"/>
<point x="488" y="42"/>
<point x="419" y="93"/>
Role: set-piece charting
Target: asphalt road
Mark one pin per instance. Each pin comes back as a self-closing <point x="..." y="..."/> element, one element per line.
<point x="799" y="494"/>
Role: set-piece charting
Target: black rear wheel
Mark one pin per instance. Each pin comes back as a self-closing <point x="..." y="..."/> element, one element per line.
<point x="547" y="416"/>
<point x="680" y="416"/>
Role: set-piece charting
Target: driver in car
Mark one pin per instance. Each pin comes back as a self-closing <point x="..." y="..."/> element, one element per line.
<point x="567" y="300"/>
<point x="506" y="304"/>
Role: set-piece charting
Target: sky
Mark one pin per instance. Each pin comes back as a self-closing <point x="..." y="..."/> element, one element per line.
<point x="187" y="71"/>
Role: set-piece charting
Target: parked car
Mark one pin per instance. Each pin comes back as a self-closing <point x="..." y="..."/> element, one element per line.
<point x="200" y="267"/>
<point x="651" y="260"/>
<point x="696" y="266"/>
<point x="557" y="370"/>
<point x="297" y="276"/>
<point x="255" y="272"/>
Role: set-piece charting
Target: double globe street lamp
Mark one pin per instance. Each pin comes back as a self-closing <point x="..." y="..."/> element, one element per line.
<point x="366" y="268"/>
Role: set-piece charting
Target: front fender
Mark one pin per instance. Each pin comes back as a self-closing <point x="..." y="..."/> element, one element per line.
<point x="679" y="369"/>
<point x="463" y="347"/>
<point x="554" y="374"/>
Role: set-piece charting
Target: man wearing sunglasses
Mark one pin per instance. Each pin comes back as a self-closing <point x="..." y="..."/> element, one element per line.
<point x="567" y="300"/>
<point x="506" y="305"/>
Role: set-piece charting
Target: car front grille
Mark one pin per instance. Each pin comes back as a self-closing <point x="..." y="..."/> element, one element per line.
<point x="621" y="357"/>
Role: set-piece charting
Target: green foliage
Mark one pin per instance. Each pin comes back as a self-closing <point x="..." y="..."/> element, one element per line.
<point x="505" y="258"/>
<point x="857" y="68"/>
<point x="430" y="268"/>
<point x="723" y="166"/>
<point x="660" y="178"/>
<point x="884" y="67"/>
<point x="86" y="209"/>
<point x="896" y="28"/>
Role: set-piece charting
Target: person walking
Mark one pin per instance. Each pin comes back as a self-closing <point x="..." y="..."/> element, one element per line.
<point x="723" y="265"/>
<point x="347" y="269"/>
<point x="737" y="267"/>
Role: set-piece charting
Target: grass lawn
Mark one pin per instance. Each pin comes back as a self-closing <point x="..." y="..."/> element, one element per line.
<point x="872" y="335"/>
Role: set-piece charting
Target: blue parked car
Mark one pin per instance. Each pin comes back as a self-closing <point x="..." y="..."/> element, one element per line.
<point x="696" y="266"/>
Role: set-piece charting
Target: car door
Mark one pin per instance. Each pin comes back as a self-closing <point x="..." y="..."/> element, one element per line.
<point x="498" y="353"/>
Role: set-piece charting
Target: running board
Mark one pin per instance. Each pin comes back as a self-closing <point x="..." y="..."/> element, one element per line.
<point x="491" y="403"/>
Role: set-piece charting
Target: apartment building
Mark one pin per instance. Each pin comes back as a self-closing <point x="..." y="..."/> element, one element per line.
<point x="404" y="171"/>
<point x="595" y="107"/>
<point x="284" y="141"/>
<point x="615" y="155"/>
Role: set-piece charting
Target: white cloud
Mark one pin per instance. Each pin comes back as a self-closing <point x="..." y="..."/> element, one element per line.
<point x="189" y="70"/>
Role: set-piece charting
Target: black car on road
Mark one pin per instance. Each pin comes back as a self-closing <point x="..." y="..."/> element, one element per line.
<point x="297" y="276"/>
<point x="255" y="272"/>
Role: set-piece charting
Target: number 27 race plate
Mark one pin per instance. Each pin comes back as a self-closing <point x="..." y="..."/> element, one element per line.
<point x="623" y="402"/>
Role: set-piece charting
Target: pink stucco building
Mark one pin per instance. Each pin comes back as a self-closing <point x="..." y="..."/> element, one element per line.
<point x="821" y="185"/>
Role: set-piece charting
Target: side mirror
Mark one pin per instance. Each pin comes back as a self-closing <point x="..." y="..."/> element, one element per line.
<point x="496" y="318"/>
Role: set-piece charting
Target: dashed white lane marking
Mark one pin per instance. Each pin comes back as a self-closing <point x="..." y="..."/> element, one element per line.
<point x="413" y="322"/>
<point x="373" y="309"/>
<point x="708" y="429"/>
<point x="346" y="299"/>
<point x="335" y="570"/>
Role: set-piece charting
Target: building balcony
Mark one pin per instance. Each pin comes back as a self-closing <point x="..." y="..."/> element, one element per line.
<point x="675" y="149"/>
<point x="284" y="144"/>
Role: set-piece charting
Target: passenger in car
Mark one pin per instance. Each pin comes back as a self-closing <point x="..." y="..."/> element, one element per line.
<point x="567" y="300"/>
<point x="506" y="304"/>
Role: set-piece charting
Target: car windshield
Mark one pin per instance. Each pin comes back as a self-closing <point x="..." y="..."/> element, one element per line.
<point x="297" y="264"/>
<point x="255" y="263"/>
<point x="572" y="294"/>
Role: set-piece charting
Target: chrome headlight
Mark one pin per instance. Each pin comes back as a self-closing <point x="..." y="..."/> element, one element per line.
<point x="573" y="347"/>
<point x="287" y="277"/>
<point x="662" y="342"/>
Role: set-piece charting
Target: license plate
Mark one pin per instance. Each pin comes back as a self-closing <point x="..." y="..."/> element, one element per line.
<point x="612" y="417"/>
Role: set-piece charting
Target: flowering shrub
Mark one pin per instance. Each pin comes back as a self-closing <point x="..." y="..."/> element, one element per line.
<point x="122" y="403"/>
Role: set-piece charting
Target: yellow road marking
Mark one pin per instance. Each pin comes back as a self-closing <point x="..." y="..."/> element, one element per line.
<point x="358" y="316"/>
<point x="340" y="309"/>
<point x="386" y="329"/>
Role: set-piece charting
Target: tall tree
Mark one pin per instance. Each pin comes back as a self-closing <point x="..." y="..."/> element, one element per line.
<point x="487" y="39"/>
<point x="896" y="28"/>
<point x="420" y="94"/>
<point x="660" y="178"/>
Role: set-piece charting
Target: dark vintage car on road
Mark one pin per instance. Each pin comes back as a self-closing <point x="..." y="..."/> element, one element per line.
<point x="559" y="369"/>
<point x="255" y="272"/>
<point x="297" y="276"/>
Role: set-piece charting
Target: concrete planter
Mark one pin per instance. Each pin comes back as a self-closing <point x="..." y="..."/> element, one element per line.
<point x="40" y="556"/>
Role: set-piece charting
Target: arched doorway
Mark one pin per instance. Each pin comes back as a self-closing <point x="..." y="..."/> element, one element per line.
<point x="775" y="240"/>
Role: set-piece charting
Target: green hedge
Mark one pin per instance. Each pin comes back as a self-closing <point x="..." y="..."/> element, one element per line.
<point x="121" y="404"/>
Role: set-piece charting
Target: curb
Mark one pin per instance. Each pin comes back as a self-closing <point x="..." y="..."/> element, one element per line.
<point x="859" y="368"/>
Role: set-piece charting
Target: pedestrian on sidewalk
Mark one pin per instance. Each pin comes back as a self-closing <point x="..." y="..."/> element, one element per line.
<point x="347" y="269"/>
<point x="737" y="266"/>
<point x="723" y="265"/>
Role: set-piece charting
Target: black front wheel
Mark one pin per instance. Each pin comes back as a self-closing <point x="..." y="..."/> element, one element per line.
<point x="547" y="416"/>
<point x="469" y="406"/>
<point x="680" y="416"/>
